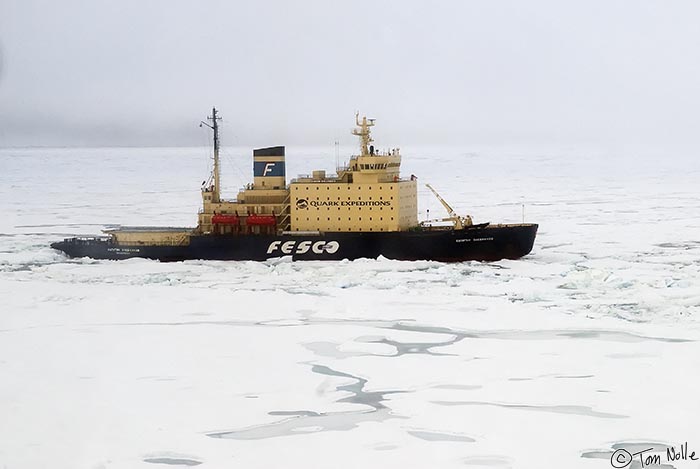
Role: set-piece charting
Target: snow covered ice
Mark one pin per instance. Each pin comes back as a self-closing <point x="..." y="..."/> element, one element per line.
<point x="588" y="344"/>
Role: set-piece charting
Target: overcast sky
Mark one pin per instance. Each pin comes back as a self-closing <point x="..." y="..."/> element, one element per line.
<point x="144" y="72"/>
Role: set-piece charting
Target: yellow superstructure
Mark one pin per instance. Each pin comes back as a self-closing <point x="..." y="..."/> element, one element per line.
<point x="267" y="196"/>
<point x="367" y="194"/>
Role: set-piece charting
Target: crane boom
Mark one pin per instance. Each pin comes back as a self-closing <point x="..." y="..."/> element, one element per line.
<point x="459" y="222"/>
<point x="442" y="201"/>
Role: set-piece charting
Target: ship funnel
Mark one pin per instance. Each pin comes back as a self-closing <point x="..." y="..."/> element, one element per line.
<point x="268" y="168"/>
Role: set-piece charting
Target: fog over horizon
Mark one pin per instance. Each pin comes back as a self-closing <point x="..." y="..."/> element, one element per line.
<point x="128" y="73"/>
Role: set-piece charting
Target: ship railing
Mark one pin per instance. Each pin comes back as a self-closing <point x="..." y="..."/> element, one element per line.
<point x="154" y="243"/>
<point x="86" y="239"/>
<point x="302" y="233"/>
<point x="332" y="179"/>
<point x="309" y="178"/>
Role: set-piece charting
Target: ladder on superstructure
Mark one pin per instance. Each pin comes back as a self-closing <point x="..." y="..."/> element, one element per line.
<point x="284" y="218"/>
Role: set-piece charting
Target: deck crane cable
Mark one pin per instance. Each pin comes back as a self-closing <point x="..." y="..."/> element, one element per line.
<point x="206" y="138"/>
<point x="232" y="161"/>
<point x="459" y="222"/>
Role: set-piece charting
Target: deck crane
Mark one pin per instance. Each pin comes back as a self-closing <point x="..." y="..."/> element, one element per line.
<point x="459" y="222"/>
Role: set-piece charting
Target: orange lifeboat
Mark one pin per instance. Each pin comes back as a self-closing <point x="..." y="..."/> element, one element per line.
<point x="220" y="219"/>
<point x="261" y="220"/>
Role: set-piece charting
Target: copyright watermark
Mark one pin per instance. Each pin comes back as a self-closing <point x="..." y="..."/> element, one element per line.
<point x="622" y="458"/>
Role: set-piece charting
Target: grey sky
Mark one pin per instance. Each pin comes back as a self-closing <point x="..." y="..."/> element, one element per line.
<point x="127" y="72"/>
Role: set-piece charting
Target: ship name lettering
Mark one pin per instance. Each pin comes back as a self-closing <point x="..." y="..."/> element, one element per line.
<point x="304" y="247"/>
<point x="466" y="240"/>
<point x="291" y="247"/>
<point x="288" y="246"/>
<point x="121" y="250"/>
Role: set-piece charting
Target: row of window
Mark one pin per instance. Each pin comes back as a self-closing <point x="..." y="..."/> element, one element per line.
<point x="349" y="229"/>
<point x="349" y="219"/>
<point x="359" y="208"/>
<point x="359" y="197"/>
<point x="328" y="187"/>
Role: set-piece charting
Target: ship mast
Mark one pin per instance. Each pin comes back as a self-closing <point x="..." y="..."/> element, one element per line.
<point x="364" y="134"/>
<point x="216" y="192"/>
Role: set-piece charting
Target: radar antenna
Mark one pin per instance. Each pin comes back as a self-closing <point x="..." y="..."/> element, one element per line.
<point x="364" y="133"/>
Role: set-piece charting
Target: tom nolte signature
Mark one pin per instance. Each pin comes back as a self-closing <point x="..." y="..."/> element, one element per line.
<point x="623" y="458"/>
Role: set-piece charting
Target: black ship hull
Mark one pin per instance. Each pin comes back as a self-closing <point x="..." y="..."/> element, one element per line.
<point x="479" y="243"/>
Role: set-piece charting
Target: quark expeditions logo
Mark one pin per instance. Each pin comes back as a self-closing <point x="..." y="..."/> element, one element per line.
<point x="303" y="203"/>
<point x="302" y="247"/>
